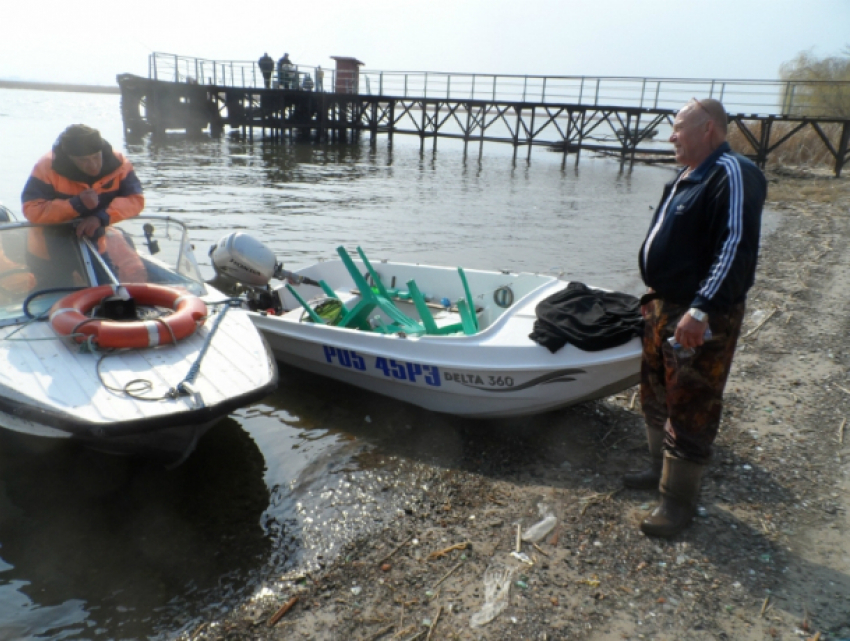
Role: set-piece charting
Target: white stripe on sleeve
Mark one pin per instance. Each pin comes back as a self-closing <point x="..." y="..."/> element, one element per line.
<point x="720" y="269"/>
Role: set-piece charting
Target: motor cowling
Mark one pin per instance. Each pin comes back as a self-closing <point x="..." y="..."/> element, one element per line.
<point x="243" y="259"/>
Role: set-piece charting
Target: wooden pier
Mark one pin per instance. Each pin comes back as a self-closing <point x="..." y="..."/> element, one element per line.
<point x="155" y="106"/>
<point x="631" y="121"/>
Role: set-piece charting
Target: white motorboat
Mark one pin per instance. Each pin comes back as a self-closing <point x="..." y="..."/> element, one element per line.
<point x="143" y="368"/>
<point x="409" y="331"/>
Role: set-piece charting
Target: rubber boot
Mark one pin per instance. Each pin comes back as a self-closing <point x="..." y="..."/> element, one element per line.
<point x="680" y="484"/>
<point x="648" y="479"/>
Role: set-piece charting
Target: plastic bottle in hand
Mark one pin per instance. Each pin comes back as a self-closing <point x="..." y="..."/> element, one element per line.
<point x="687" y="352"/>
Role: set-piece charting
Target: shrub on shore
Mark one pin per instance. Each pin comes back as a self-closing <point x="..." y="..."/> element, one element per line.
<point x="825" y="84"/>
<point x="822" y="88"/>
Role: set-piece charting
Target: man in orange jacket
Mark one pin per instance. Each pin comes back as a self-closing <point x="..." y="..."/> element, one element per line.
<point x="81" y="179"/>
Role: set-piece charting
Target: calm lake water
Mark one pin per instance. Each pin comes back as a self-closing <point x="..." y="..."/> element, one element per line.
<point x="96" y="547"/>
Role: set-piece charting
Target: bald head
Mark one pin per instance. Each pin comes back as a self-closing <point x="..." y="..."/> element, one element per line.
<point x="698" y="129"/>
<point x="710" y="109"/>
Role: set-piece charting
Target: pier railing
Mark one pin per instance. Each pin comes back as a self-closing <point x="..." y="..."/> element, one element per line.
<point x="756" y="97"/>
<point x="229" y="73"/>
<point x="761" y="97"/>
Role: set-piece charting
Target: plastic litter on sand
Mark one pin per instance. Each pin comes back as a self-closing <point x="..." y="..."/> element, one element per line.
<point x="539" y="530"/>
<point x="497" y="588"/>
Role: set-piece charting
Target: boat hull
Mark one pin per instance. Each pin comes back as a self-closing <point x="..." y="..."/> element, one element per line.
<point x="473" y="391"/>
<point x="498" y="372"/>
<point x="49" y="388"/>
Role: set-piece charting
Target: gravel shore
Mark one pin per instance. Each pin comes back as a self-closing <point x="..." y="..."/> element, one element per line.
<point x="767" y="558"/>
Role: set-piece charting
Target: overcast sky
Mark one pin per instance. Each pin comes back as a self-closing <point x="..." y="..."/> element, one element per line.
<point x="90" y="41"/>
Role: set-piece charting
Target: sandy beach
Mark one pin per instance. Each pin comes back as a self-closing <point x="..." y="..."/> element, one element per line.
<point x="767" y="557"/>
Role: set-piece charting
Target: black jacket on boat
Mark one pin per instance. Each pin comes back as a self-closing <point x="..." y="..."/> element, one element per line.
<point x="590" y="319"/>
<point x="702" y="246"/>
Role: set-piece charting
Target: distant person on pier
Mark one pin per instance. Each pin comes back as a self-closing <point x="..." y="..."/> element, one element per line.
<point x="307" y="85"/>
<point x="266" y="65"/>
<point x="285" y="72"/>
<point x="83" y="180"/>
<point x="320" y="78"/>
<point x="698" y="262"/>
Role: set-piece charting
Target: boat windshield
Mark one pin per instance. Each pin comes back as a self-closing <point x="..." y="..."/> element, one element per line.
<point x="40" y="264"/>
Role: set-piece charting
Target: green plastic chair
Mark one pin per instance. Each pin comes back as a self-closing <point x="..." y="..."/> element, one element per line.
<point x="427" y="318"/>
<point x="468" y="320"/>
<point x="358" y="316"/>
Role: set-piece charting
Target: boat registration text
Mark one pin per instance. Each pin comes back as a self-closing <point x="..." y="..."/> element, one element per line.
<point x="412" y="372"/>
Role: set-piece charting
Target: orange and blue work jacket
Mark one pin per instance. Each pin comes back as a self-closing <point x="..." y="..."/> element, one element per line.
<point x="52" y="193"/>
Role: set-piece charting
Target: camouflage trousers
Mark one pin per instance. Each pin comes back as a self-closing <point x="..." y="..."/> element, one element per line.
<point x="684" y="395"/>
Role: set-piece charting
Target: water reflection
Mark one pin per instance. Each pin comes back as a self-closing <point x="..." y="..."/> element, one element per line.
<point x="94" y="544"/>
<point x="398" y="429"/>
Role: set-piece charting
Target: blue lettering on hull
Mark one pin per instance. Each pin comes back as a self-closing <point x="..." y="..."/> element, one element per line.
<point x="389" y="367"/>
<point x="431" y="375"/>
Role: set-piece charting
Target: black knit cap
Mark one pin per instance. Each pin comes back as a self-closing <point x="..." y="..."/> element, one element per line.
<point x="80" y="140"/>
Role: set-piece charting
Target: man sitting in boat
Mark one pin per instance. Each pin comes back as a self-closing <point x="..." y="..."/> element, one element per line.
<point x="83" y="180"/>
<point x="14" y="278"/>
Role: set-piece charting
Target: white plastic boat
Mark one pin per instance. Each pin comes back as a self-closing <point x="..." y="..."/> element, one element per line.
<point x="441" y="357"/>
<point x="153" y="401"/>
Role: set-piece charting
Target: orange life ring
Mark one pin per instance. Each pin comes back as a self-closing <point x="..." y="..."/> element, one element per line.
<point x="70" y="316"/>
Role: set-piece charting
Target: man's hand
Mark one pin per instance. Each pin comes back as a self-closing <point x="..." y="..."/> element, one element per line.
<point x="88" y="226"/>
<point x="690" y="332"/>
<point x="89" y="198"/>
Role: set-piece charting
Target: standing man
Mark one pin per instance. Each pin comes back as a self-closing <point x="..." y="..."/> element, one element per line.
<point x="285" y="71"/>
<point x="698" y="261"/>
<point x="320" y="78"/>
<point x="266" y="65"/>
<point x="81" y="180"/>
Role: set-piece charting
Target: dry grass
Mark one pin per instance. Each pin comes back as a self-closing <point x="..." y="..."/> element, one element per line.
<point x="793" y="187"/>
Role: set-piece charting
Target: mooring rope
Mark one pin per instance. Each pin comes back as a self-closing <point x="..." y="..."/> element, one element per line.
<point x="137" y="387"/>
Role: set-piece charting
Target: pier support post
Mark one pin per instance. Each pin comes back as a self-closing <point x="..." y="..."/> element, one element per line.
<point x="841" y="156"/>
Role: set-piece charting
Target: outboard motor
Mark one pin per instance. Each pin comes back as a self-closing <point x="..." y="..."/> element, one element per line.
<point x="246" y="265"/>
<point x="241" y="260"/>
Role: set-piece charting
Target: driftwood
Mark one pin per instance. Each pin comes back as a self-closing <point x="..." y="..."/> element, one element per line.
<point x="400" y="545"/>
<point x="286" y="607"/>
<point x="447" y="575"/>
<point x="439" y="553"/>
<point x="381" y="632"/>
<point x="434" y="624"/>
<point x="759" y="326"/>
